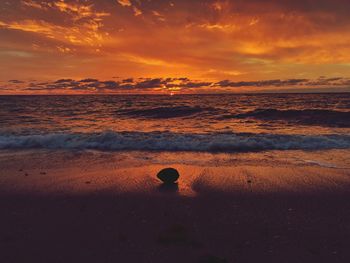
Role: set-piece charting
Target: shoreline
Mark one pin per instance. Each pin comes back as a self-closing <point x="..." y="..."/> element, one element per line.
<point x="84" y="172"/>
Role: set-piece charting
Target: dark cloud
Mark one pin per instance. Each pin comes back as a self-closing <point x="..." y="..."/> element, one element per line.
<point x="88" y="80"/>
<point x="263" y="83"/>
<point x="195" y="84"/>
<point x="179" y="84"/>
<point x="140" y="84"/>
<point x="15" y="81"/>
<point x="151" y="83"/>
<point x="130" y="80"/>
<point x="64" y="81"/>
<point x="109" y="85"/>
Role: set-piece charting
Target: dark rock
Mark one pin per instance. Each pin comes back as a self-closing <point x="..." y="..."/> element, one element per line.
<point x="168" y="175"/>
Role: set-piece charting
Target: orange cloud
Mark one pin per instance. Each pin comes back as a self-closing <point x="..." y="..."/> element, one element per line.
<point x="205" y="40"/>
<point x="33" y="4"/>
<point x="124" y="2"/>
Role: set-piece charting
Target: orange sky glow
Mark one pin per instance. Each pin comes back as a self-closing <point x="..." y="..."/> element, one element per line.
<point x="177" y="46"/>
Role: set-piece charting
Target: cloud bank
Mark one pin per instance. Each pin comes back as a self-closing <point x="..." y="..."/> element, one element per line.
<point x="171" y="85"/>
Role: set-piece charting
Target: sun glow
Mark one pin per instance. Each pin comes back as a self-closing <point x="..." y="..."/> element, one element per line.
<point x="231" y="41"/>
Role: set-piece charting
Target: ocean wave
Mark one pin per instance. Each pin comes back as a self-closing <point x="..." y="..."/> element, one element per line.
<point x="329" y="118"/>
<point x="167" y="141"/>
<point x="163" y="112"/>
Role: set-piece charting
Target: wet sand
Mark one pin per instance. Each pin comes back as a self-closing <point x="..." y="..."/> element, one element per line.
<point x="109" y="207"/>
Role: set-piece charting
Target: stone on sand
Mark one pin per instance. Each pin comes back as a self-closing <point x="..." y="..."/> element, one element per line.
<point x="168" y="175"/>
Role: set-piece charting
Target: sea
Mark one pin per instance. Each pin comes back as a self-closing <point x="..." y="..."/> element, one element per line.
<point x="226" y="123"/>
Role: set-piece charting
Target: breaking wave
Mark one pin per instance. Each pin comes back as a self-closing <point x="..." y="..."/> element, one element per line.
<point x="167" y="141"/>
<point x="164" y="112"/>
<point x="330" y="118"/>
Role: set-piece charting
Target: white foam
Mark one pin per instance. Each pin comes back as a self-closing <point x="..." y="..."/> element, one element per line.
<point x="167" y="141"/>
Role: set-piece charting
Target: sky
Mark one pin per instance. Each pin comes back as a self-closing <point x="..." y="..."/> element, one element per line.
<point x="176" y="46"/>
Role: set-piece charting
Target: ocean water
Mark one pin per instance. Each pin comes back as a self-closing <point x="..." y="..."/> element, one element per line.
<point x="205" y="123"/>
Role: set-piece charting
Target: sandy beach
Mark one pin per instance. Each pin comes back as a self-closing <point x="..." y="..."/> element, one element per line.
<point x="65" y="206"/>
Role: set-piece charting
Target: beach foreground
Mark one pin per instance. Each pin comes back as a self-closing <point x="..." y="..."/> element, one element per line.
<point x="64" y="206"/>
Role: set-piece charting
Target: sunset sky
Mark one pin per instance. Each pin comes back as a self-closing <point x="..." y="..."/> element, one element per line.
<point x="185" y="46"/>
